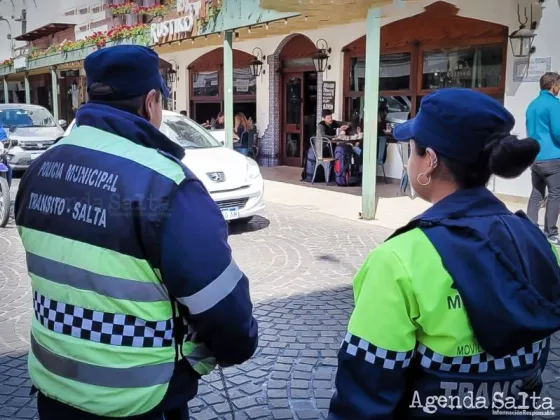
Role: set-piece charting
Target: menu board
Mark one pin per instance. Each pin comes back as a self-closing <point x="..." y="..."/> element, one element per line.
<point x="329" y="90"/>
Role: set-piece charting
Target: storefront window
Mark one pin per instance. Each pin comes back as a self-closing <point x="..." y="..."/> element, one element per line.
<point x="474" y="67"/>
<point x="394" y="72"/>
<point x="244" y="83"/>
<point x="357" y="74"/>
<point x="205" y="83"/>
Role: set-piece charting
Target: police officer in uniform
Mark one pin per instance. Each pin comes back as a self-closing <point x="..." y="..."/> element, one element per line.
<point x="135" y="291"/>
<point x="453" y="314"/>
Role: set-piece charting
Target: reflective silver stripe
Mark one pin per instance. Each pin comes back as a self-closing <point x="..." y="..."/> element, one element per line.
<point x="212" y="294"/>
<point x="134" y="377"/>
<point x="79" y="278"/>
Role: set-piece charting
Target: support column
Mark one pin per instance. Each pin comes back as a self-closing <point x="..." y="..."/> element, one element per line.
<point x="228" y="88"/>
<point x="27" y="89"/>
<point x="54" y="81"/>
<point x="371" y="105"/>
<point x="6" y="91"/>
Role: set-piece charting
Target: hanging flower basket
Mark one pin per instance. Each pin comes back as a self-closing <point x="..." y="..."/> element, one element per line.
<point x="155" y="11"/>
<point x="123" y="9"/>
<point x="7" y="63"/>
<point x="138" y="33"/>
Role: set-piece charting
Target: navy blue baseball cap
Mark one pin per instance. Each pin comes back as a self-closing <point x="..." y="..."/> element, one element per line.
<point x="129" y="70"/>
<point x="457" y="123"/>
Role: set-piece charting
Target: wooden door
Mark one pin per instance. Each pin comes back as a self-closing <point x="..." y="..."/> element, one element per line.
<point x="292" y="119"/>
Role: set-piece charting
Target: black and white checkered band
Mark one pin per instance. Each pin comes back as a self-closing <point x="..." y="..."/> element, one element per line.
<point x="101" y="327"/>
<point x="480" y="363"/>
<point x="355" y="346"/>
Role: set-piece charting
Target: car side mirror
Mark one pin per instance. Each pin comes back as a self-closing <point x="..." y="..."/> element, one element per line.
<point x="12" y="128"/>
<point x="63" y="123"/>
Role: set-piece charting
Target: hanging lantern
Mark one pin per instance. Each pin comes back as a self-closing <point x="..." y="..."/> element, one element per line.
<point x="171" y="75"/>
<point x="522" y="42"/>
<point x="321" y="57"/>
<point x="256" y="64"/>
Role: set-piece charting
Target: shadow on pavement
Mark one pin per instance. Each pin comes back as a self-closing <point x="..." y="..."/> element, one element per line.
<point x="257" y="223"/>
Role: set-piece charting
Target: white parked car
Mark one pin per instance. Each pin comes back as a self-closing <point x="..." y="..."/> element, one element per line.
<point x="234" y="181"/>
<point x="34" y="131"/>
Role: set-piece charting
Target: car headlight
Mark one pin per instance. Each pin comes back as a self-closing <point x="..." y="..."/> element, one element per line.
<point x="253" y="170"/>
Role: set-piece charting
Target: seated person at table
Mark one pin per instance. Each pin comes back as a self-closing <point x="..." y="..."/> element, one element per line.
<point x="327" y="127"/>
<point x="219" y="122"/>
<point x="240" y="127"/>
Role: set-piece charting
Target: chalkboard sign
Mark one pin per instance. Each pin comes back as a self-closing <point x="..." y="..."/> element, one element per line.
<point x="329" y="90"/>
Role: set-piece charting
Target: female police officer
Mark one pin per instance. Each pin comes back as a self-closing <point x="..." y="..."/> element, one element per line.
<point x="454" y="312"/>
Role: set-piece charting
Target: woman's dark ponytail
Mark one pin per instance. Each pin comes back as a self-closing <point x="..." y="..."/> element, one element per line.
<point x="508" y="156"/>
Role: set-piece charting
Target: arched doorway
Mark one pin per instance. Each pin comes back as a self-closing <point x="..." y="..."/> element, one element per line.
<point x="207" y="87"/>
<point x="298" y="98"/>
<point x="420" y="54"/>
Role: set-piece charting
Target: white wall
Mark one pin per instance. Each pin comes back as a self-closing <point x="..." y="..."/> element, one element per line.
<point x="518" y="95"/>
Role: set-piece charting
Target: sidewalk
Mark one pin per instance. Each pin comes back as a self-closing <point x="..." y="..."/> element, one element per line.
<point x="282" y="186"/>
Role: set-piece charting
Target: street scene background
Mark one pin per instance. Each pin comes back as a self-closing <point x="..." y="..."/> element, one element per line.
<point x="300" y="263"/>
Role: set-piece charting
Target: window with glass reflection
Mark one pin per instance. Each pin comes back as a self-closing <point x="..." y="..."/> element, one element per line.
<point x="206" y="83"/>
<point x="244" y="83"/>
<point x="474" y="67"/>
<point x="394" y="72"/>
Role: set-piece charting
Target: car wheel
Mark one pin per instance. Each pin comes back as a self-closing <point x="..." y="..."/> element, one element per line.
<point x="243" y="221"/>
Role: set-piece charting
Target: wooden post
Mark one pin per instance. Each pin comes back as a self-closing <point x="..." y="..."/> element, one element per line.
<point x="371" y="105"/>
<point x="228" y="88"/>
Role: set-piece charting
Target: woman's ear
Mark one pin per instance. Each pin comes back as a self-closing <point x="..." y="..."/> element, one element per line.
<point x="431" y="154"/>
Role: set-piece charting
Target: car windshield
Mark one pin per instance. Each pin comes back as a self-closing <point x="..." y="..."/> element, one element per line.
<point x="26" y="117"/>
<point x="187" y="133"/>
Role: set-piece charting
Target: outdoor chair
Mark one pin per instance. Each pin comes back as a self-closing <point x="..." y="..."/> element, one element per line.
<point x="382" y="154"/>
<point x="318" y="145"/>
<point x="242" y="146"/>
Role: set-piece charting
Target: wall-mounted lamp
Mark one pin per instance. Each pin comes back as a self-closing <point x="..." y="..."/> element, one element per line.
<point x="522" y="39"/>
<point x="173" y="72"/>
<point x="171" y="76"/>
<point x="256" y="64"/>
<point x="321" y="57"/>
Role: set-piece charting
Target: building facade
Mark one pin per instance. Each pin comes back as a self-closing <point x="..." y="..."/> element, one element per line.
<point x="425" y="45"/>
<point x="37" y="29"/>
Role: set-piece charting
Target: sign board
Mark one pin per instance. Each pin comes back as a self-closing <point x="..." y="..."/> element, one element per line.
<point x="329" y="90"/>
<point x="70" y="73"/>
<point x="181" y="27"/>
<point x="531" y="71"/>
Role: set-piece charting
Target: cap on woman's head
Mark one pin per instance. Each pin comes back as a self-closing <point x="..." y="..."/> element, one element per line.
<point x="128" y="70"/>
<point x="457" y="123"/>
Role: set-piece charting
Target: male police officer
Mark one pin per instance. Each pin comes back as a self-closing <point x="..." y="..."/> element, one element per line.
<point x="135" y="291"/>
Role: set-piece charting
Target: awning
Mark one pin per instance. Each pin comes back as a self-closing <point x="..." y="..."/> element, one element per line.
<point x="43" y="31"/>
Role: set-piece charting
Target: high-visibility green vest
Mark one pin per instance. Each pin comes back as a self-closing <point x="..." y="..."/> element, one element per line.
<point x="102" y="338"/>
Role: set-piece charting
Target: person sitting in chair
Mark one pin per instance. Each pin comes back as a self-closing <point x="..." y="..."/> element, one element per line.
<point x="328" y="126"/>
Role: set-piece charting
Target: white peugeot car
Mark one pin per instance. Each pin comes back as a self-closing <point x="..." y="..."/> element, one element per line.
<point x="234" y="181"/>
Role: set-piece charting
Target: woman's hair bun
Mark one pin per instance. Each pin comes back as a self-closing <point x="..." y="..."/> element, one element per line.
<point x="509" y="156"/>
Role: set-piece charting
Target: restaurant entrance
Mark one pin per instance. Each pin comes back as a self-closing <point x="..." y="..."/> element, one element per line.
<point x="299" y="100"/>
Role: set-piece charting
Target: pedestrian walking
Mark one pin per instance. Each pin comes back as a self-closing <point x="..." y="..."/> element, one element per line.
<point x="543" y="124"/>
<point x="454" y="312"/>
<point x="135" y="292"/>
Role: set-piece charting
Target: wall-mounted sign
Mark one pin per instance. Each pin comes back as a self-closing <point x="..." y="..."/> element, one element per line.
<point x="329" y="90"/>
<point x="180" y="27"/>
<point x="70" y="73"/>
<point x="531" y="71"/>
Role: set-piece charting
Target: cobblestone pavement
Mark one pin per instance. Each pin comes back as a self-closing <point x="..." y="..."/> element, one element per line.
<point x="300" y="265"/>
